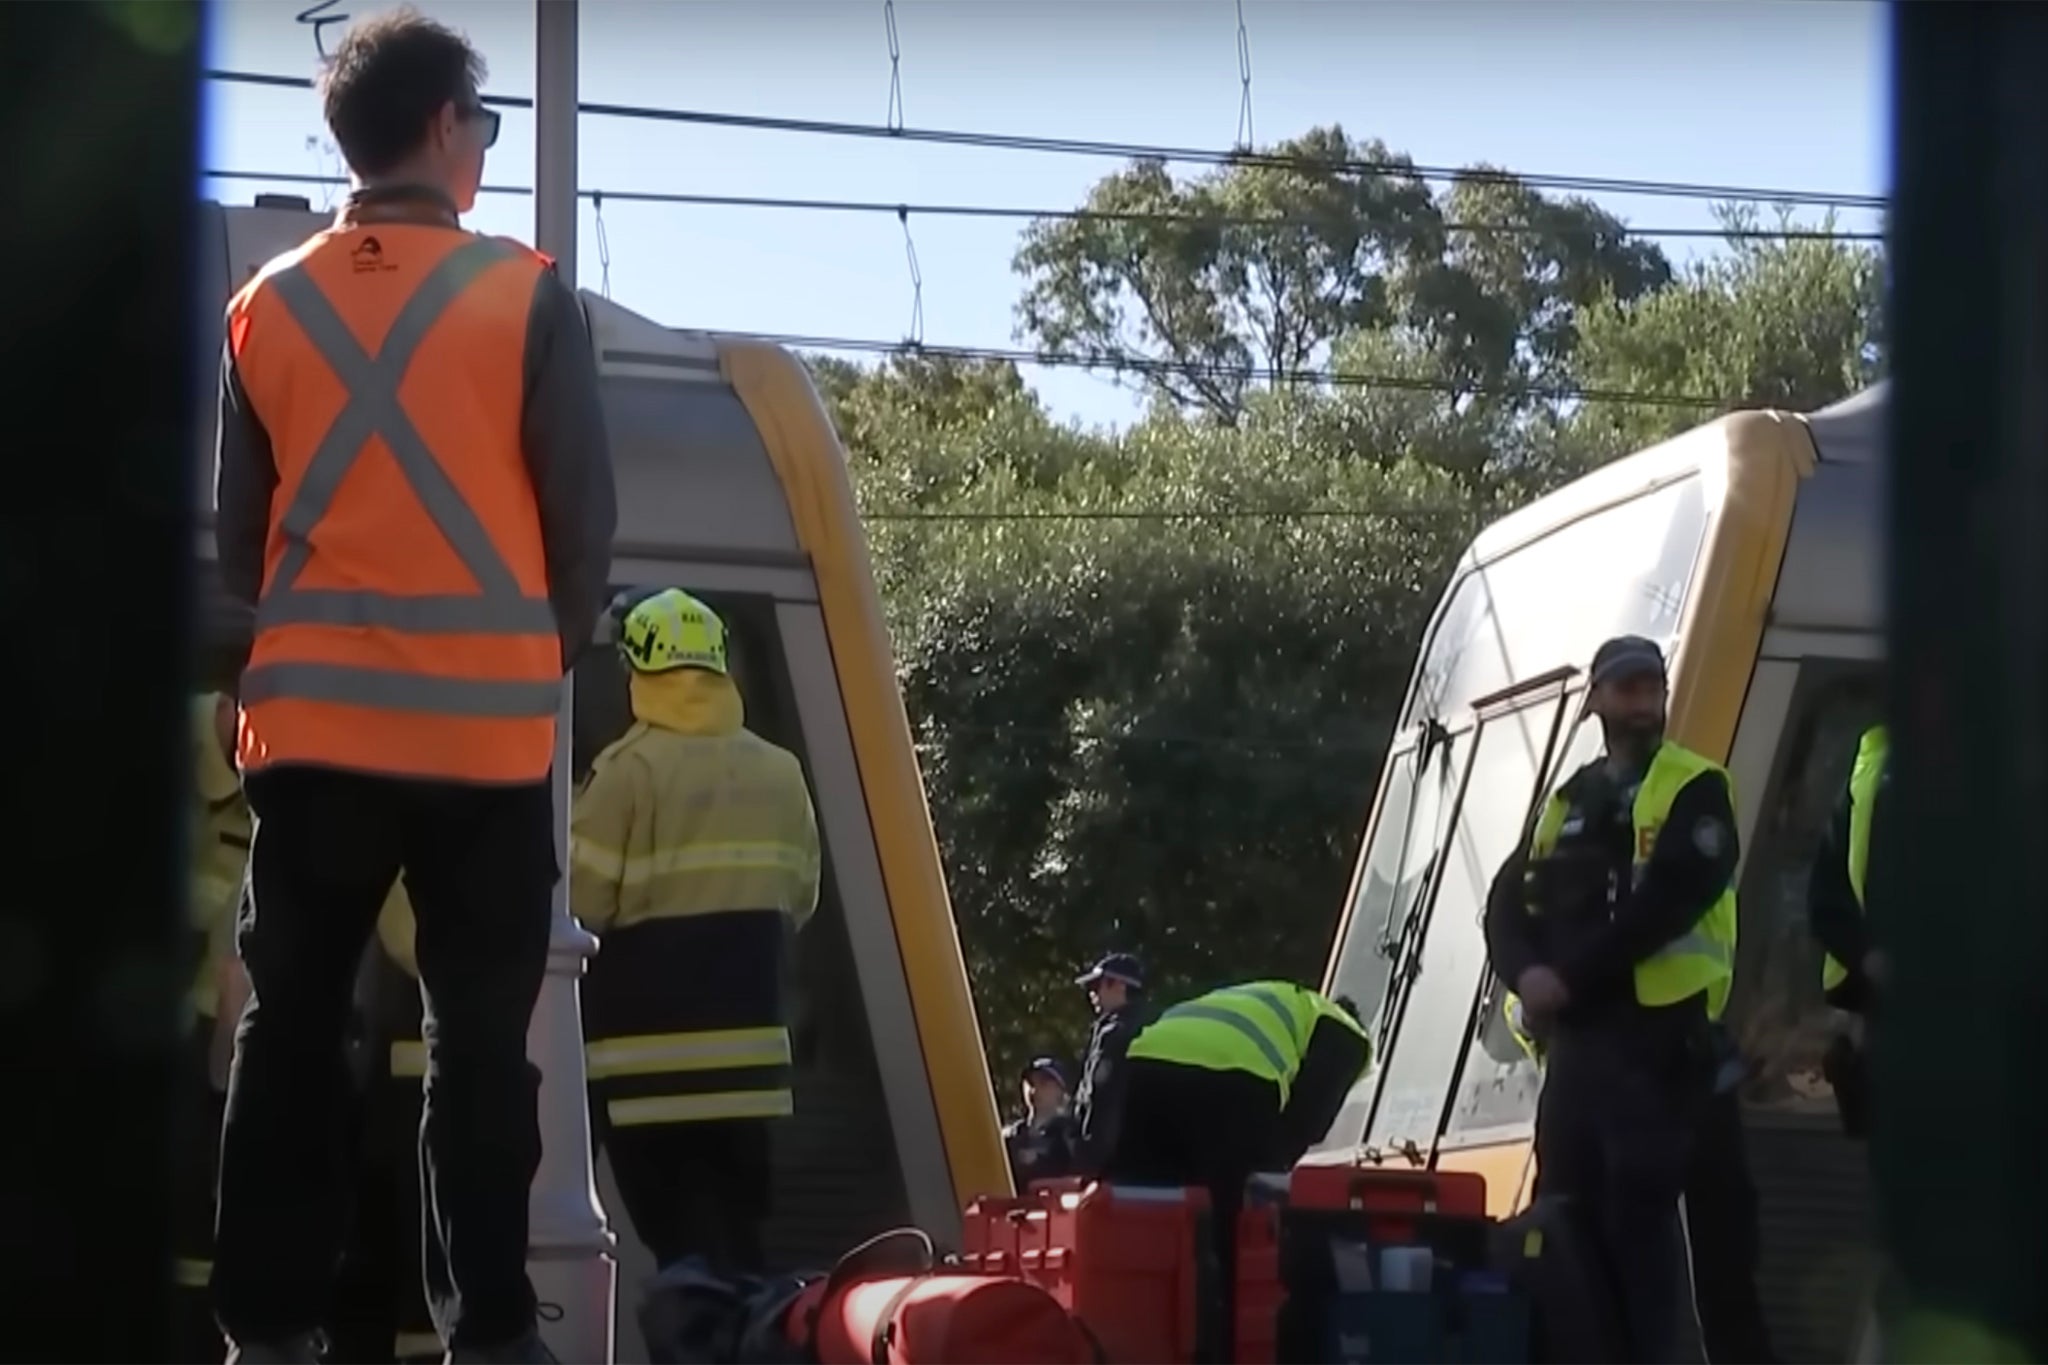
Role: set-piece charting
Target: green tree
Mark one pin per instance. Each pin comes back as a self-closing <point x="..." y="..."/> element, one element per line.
<point x="1152" y="672"/>
<point x="1264" y="265"/>
<point x="1794" y="323"/>
<point x="1152" y="698"/>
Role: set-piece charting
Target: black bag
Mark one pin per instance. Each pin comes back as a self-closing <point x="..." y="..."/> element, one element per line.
<point x="1549" y="1253"/>
<point x="690" y="1316"/>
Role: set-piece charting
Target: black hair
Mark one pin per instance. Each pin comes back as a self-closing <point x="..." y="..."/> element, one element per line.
<point x="388" y="79"/>
<point x="1350" y="1007"/>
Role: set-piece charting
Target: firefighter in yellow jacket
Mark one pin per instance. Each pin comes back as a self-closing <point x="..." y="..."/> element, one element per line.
<point x="219" y="826"/>
<point x="694" y="857"/>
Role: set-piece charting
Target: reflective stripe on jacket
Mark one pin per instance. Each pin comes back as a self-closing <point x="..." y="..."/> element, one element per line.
<point x="404" y="625"/>
<point x="1262" y="1027"/>
<point x="694" y="856"/>
<point x="1872" y="753"/>
<point x="1701" y="959"/>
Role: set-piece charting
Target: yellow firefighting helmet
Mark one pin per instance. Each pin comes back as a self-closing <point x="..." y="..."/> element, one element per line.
<point x="671" y="630"/>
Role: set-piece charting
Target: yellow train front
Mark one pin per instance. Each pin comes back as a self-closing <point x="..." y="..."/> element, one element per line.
<point x="1750" y="549"/>
<point x="732" y="483"/>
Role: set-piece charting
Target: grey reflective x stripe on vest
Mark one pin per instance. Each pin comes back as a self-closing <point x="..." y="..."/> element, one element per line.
<point x="1197" y="1010"/>
<point x="373" y="409"/>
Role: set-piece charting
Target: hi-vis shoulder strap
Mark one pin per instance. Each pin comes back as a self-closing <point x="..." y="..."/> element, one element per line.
<point x="373" y="409"/>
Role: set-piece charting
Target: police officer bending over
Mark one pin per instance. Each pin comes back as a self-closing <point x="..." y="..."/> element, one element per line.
<point x="1616" y="927"/>
<point x="1241" y="1080"/>
<point x="1041" y="1144"/>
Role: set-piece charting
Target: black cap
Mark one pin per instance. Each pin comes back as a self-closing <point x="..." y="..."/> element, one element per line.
<point x="1047" y="1066"/>
<point x="1626" y="656"/>
<point x="1115" y="967"/>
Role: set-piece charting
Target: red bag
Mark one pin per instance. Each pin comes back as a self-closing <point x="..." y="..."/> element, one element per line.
<point x="870" y="1312"/>
<point x="1126" y="1262"/>
<point x="944" y="1320"/>
<point x="1390" y="1200"/>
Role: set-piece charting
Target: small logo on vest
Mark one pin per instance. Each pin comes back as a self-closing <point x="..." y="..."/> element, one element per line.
<point x="368" y="257"/>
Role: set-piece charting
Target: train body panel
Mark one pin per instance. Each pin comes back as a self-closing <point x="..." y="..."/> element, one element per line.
<point x="732" y="483"/>
<point x="1749" y="547"/>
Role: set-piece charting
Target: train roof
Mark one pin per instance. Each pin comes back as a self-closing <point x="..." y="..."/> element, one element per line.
<point x="1831" y="582"/>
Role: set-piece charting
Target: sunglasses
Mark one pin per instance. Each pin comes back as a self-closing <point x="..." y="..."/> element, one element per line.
<point x="490" y="119"/>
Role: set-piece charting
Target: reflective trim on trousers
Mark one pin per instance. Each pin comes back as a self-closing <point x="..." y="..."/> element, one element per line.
<point x="735" y="1104"/>
<point x="652" y="1054"/>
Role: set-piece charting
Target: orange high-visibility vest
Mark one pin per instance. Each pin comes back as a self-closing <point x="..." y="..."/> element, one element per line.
<point x="403" y="627"/>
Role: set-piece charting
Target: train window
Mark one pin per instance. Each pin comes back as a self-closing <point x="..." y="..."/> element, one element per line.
<point x="1434" y="1024"/>
<point x="1623" y="571"/>
<point x="1364" y="962"/>
<point x="1776" y="1011"/>
<point x="1498" y="1087"/>
<point x="1421" y="783"/>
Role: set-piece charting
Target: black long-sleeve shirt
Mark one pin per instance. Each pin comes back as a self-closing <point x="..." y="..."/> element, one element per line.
<point x="1690" y="865"/>
<point x="1099" y="1099"/>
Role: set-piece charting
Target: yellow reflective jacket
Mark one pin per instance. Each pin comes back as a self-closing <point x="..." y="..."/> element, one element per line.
<point x="1262" y="1027"/>
<point x="688" y="813"/>
<point x="1703" y="958"/>
<point x="694" y="854"/>
<point x="1872" y="752"/>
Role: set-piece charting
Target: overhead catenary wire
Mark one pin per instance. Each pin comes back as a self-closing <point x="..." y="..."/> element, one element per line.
<point x="1311" y="377"/>
<point x="1000" y="211"/>
<point x="1409" y="512"/>
<point x="1132" y="151"/>
<point x="1244" y="78"/>
<point x="895" y="115"/>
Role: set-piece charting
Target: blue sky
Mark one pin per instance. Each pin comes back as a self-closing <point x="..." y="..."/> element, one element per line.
<point x="1791" y="94"/>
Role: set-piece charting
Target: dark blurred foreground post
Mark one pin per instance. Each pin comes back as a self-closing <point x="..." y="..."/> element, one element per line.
<point x="99" y="126"/>
<point x="1962" y="1140"/>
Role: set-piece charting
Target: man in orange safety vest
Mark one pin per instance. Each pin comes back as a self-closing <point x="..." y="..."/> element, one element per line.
<point x="415" y="495"/>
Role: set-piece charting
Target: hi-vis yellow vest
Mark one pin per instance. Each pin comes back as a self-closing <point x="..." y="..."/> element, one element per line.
<point x="1871" y="754"/>
<point x="1262" y="1027"/>
<point x="1703" y="958"/>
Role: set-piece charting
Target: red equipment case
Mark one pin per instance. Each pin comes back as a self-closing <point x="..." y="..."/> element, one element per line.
<point x="1391" y="1200"/>
<point x="1124" y="1260"/>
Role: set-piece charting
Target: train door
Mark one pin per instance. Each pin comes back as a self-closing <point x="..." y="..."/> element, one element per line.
<point x="1793" y="752"/>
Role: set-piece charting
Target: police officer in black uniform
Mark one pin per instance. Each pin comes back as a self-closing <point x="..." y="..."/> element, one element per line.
<point x="1721" y="1222"/>
<point x="1041" y="1144"/>
<point x="1615" y="926"/>
<point x="1116" y="988"/>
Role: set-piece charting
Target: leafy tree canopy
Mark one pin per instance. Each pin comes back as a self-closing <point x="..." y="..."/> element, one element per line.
<point x="1152" y="673"/>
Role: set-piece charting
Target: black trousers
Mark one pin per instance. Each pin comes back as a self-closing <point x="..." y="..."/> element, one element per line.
<point x="480" y="866"/>
<point x="197" y="1338"/>
<point x="696" y="1189"/>
<point x="1615" y="1130"/>
<point x="380" y="1310"/>
<point x="1721" y="1223"/>
<point x="1186" y="1125"/>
